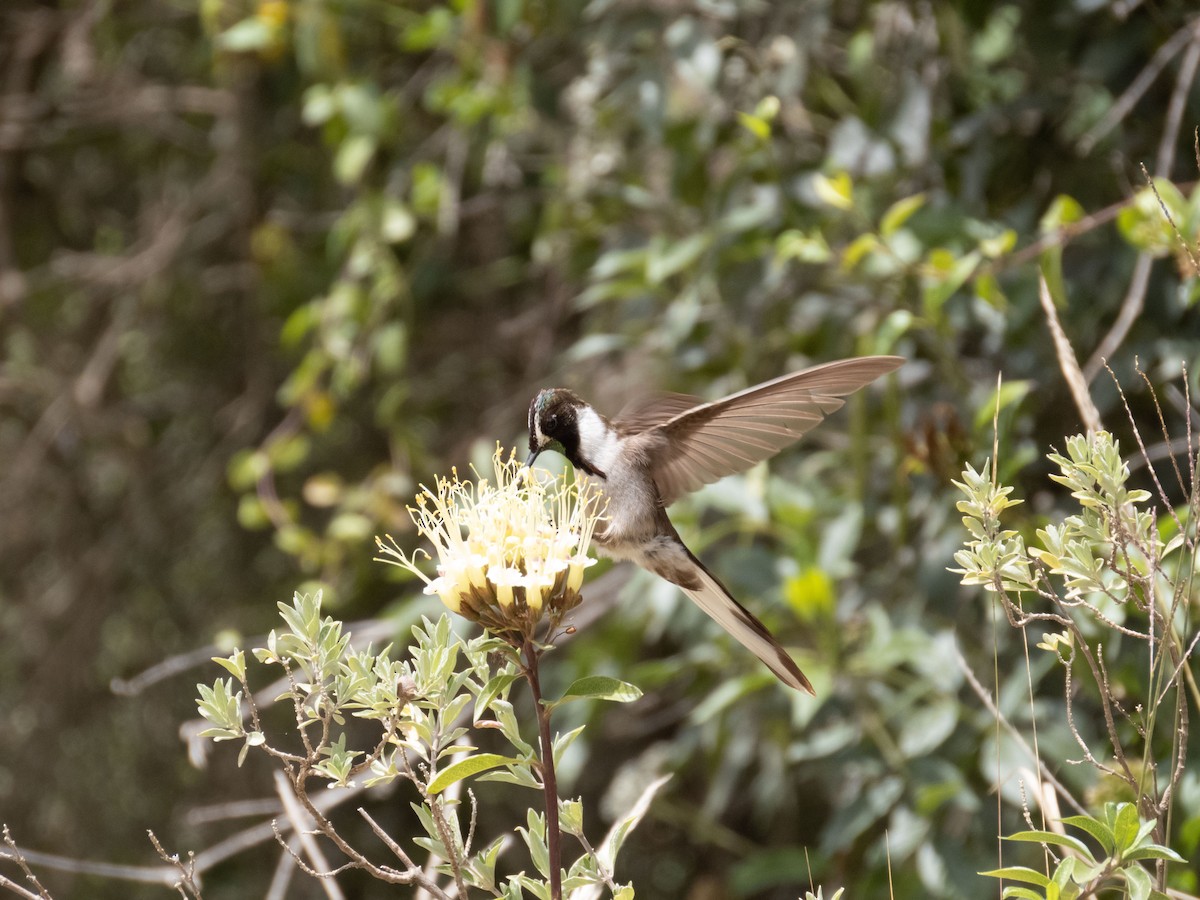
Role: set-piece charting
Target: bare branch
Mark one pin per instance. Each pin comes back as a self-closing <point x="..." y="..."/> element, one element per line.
<point x="1131" y="308"/>
<point x="186" y="885"/>
<point x="324" y="875"/>
<point x="302" y="824"/>
<point x="387" y="839"/>
<point x="17" y="857"/>
<point x="1138" y="87"/>
<point x="1067" y="361"/>
<point x="1179" y="95"/>
<point x="986" y="698"/>
<point x="20" y="891"/>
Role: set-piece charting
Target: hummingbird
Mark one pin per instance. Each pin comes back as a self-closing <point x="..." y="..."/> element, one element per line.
<point x="655" y="452"/>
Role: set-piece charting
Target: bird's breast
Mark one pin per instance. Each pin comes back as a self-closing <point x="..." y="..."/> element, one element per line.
<point x="631" y="511"/>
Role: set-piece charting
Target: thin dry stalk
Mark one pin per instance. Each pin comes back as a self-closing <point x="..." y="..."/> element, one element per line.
<point x="16" y="856"/>
<point x="1067" y="361"/>
<point x="187" y="885"/>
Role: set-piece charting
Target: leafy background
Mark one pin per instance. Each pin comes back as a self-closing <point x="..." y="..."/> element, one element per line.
<point x="266" y="266"/>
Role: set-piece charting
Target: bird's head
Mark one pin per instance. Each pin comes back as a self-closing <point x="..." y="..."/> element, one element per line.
<point x="554" y="424"/>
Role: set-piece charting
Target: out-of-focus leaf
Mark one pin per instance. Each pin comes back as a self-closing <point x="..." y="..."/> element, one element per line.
<point x="807" y="248"/>
<point x="810" y="594"/>
<point x="946" y="273"/>
<point x="1061" y="212"/>
<point x="353" y="156"/>
<point x="667" y="259"/>
<point x="836" y="190"/>
<point x="899" y="213"/>
<point x="925" y="729"/>
<point x="1009" y="394"/>
<point x="758" y="127"/>
<point x="1145" y="225"/>
<point x="248" y="35"/>
<point x="859" y="249"/>
<point x="998" y="245"/>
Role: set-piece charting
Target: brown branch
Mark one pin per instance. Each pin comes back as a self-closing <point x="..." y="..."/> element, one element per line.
<point x="205" y="860"/>
<point x="388" y="840"/>
<point x="186" y="885"/>
<point x="437" y="809"/>
<point x="549" y="780"/>
<point x="19" y="859"/>
<point x="1165" y="157"/>
<point x="1131" y="309"/>
<point x="1056" y="238"/>
<point x="1132" y="94"/>
<point x="301" y="825"/>
<point x="412" y="875"/>
<point x="1067" y="361"/>
<point x="1135" y="295"/>
<point x="20" y="891"/>
<point x="325" y="875"/>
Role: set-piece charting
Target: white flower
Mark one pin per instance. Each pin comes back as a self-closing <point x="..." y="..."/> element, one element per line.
<point x="509" y="550"/>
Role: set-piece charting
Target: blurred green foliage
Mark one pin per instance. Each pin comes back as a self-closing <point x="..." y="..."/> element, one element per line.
<point x="264" y="266"/>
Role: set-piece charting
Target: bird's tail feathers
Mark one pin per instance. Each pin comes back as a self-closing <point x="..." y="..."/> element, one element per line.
<point x="711" y="596"/>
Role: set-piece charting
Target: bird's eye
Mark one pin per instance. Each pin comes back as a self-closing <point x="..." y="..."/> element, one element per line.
<point x="551" y="423"/>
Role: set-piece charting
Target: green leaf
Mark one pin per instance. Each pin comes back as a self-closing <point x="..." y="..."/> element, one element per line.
<point x="927" y="727"/>
<point x="758" y="127"/>
<point x="946" y="272"/>
<point x="1051" y="837"/>
<point x="493" y="689"/>
<point x="807" y="248"/>
<point x="563" y="741"/>
<point x="1125" y="827"/>
<point x="1022" y="893"/>
<point x="396" y="222"/>
<point x="570" y="816"/>
<point x="1020" y="873"/>
<point x="1062" y="211"/>
<point x="1154" y="851"/>
<point x="668" y="260"/>
<point x="506" y="718"/>
<point x="1010" y="393"/>
<point x="352" y="157"/>
<point x="836" y="191"/>
<point x="521" y="776"/>
<point x="999" y="244"/>
<point x="620" y="830"/>
<point x="535" y="840"/>
<point x="248" y="36"/>
<point x="597" y="687"/>
<point x="472" y="765"/>
<point x="247" y="468"/>
<point x="1095" y="828"/>
<point x="899" y="213"/>
<point x="234" y="664"/>
<point x="858" y="249"/>
<point x="1143" y="225"/>
<point x="1138" y="881"/>
<point x="810" y="594"/>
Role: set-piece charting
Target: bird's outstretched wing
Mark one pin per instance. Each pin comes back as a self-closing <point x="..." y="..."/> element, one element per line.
<point x="704" y="443"/>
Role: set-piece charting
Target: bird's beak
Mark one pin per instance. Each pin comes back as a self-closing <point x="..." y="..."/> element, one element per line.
<point x="532" y="456"/>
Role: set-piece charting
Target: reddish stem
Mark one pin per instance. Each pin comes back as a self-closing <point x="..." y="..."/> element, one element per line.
<point x="549" y="782"/>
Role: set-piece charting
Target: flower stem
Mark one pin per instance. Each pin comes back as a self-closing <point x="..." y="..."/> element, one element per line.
<point x="549" y="782"/>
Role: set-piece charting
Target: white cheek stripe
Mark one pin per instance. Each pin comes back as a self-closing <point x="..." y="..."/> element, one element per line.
<point x="597" y="440"/>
